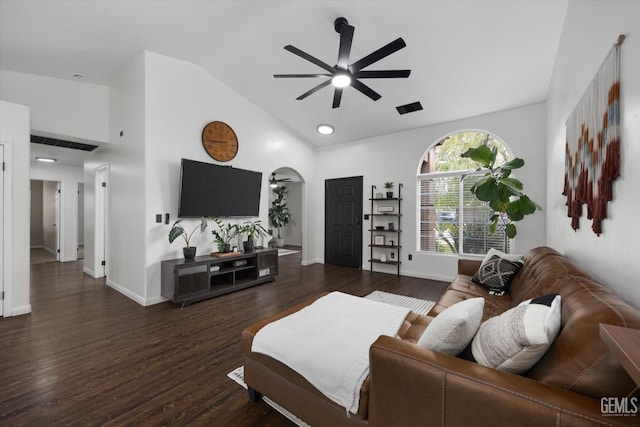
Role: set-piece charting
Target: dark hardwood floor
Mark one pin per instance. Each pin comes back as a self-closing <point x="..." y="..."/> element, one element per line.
<point x="88" y="355"/>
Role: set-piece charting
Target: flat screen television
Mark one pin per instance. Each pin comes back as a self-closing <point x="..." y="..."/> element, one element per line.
<point x="207" y="189"/>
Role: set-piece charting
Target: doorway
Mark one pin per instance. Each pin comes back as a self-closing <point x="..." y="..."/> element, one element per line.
<point x="2" y="230"/>
<point x="45" y="221"/>
<point x="343" y="222"/>
<point x="100" y="249"/>
<point x="292" y="234"/>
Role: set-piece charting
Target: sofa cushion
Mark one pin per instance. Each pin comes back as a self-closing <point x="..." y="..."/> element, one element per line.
<point x="463" y="288"/>
<point x="452" y="330"/>
<point x="579" y="360"/>
<point x="518" y="338"/>
<point x="544" y="270"/>
<point x="496" y="274"/>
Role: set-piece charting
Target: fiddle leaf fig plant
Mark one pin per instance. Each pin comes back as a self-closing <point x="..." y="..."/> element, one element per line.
<point x="502" y="192"/>
<point x="177" y="230"/>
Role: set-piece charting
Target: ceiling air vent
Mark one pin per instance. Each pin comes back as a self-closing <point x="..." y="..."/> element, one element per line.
<point x="62" y="143"/>
<point x="409" y="108"/>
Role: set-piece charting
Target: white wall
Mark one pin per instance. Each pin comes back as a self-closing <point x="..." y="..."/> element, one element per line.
<point x="589" y="32"/>
<point x="397" y="157"/>
<point x="64" y="108"/>
<point x="14" y="136"/>
<point x="69" y="177"/>
<point x="125" y="157"/>
<point x="181" y="99"/>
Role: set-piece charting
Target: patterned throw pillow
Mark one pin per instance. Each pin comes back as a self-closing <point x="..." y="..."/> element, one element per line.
<point x="515" y="340"/>
<point x="451" y="331"/>
<point x="496" y="274"/>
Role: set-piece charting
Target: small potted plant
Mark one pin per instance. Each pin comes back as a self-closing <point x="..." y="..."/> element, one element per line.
<point x="389" y="187"/>
<point x="279" y="213"/>
<point x="253" y="230"/>
<point x="224" y="234"/>
<point x="177" y="230"/>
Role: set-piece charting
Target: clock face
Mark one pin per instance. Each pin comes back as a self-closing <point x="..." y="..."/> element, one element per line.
<point x="220" y="141"/>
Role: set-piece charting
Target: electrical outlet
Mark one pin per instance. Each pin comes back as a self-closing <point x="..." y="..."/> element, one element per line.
<point x="410" y="257"/>
<point x="366" y="216"/>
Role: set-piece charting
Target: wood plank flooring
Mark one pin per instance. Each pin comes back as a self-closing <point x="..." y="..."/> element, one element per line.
<point x="89" y="356"/>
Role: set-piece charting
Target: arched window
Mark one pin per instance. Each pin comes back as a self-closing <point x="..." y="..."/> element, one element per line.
<point x="451" y="219"/>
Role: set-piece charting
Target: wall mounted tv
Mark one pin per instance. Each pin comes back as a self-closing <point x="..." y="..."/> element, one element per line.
<point x="207" y="189"/>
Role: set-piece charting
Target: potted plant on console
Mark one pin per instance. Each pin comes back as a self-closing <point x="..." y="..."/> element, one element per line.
<point x="389" y="187"/>
<point x="224" y="234"/>
<point x="253" y="230"/>
<point x="177" y="230"/>
<point x="279" y="212"/>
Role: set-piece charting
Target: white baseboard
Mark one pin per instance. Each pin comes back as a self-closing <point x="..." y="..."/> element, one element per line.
<point x="23" y="309"/>
<point x="89" y="272"/>
<point x="156" y="300"/>
<point x="311" y="261"/>
<point x="126" y="292"/>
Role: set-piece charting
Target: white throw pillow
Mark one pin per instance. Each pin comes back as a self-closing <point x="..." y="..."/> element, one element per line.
<point x="453" y="329"/>
<point x="503" y="255"/>
<point x="515" y="340"/>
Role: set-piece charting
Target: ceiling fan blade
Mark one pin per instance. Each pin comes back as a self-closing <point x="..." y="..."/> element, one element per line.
<point x="279" y="76"/>
<point x="382" y="74"/>
<point x="383" y="52"/>
<point x="314" y="89"/>
<point x="358" y="85"/>
<point x="337" y="96"/>
<point x="308" y="57"/>
<point x="346" y="37"/>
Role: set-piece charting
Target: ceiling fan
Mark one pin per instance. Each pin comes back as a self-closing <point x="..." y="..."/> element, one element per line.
<point x="345" y="74"/>
<point x="273" y="182"/>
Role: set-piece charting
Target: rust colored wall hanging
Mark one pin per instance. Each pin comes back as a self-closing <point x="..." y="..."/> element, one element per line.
<point x="592" y="152"/>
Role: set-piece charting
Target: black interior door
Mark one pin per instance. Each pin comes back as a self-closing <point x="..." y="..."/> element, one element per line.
<point x="343" y="222"/>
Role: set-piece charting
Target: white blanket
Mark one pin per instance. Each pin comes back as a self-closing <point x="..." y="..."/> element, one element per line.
<point x="328" y="342"/>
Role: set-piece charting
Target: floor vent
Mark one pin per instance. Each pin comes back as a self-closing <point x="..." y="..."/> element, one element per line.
<point x="409" y="108"/>
<point x="62" y="143"/>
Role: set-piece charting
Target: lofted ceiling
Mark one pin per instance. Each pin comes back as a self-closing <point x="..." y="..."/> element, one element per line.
<point x="466" y="57"/>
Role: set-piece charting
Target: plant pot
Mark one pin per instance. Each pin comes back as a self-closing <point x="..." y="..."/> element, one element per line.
<point x="223" y="248"/>
<point x="389" y="194"/>
<point x="279" y="242"/>
<point x="249" y="245"/>
<point x="189" y="252"/>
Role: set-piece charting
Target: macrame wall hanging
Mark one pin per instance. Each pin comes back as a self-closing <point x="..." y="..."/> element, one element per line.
<point x="592" y="152"/>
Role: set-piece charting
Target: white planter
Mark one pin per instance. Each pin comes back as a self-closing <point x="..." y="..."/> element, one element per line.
<point x="279" y="242"/>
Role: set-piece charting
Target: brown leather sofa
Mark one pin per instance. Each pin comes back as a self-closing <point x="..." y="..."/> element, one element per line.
<point x="409" y="385"/>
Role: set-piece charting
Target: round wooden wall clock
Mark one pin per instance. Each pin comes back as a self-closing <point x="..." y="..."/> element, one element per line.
<point x="220" y="141"/>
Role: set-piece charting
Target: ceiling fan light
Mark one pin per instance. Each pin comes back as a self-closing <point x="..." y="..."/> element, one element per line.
<point x="273" y="182"/>
<point x="341" y="80"/>
<point x="325" y="129"/>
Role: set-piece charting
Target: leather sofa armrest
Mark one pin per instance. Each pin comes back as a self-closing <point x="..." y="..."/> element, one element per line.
<point x="411" y="385"/>
<point x="468" y="267"/>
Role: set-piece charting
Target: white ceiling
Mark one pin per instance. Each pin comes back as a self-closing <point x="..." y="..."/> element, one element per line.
<point x="466" y="57"/>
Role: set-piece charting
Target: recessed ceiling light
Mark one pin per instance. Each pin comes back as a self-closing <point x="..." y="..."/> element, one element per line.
<point x="46" y="159"/>
<point x="341" y="80"/>
<point x="325" y="129"/>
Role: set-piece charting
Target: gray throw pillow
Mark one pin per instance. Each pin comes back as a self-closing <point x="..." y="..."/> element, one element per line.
<point x="515" y="340"/>
<point x="453" y="329"/>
